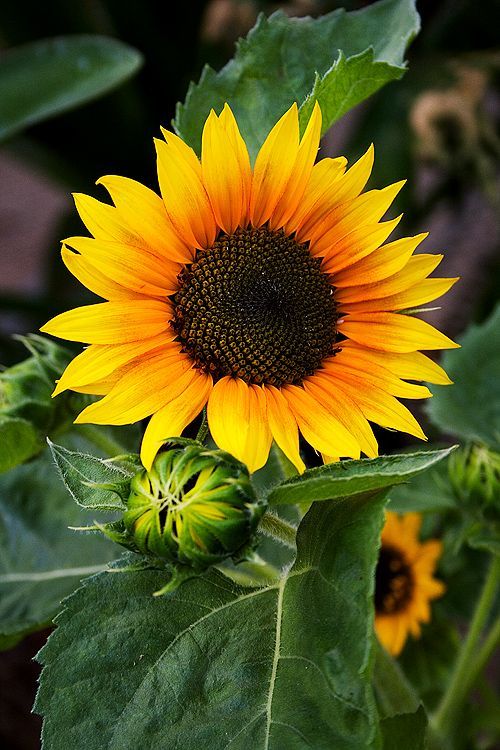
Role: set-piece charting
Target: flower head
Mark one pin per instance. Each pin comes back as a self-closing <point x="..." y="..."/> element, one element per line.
<point x="404" y="582"/>
<point x="266" y="293"/>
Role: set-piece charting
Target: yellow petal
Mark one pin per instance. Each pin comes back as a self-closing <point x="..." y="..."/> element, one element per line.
<point x="410" y="366"/>
<point x="380" y="407"/>
<point x="222" y="176"/>
<point x="183" y="192"/>
<point x="98" y="361"/>
<point x="238" y="423"/>
<point x="94" y="280"/>
<point x="173" y="418"/>
<point x="385" y="262"/>
<point x="283" y="426"/>
<point x="111" y="322"/>
<point x="423" y="292"/>
<point x="348" y="366"/>
<point x="367" y="209"/>
<point x="273" y="166"/>
<point x="145" y="388"/>
<point x="143" y="211"/>
<point x="417" y="269"/>
<point x="227" y="120"/>
<point x="393" y="333"/>
<point x="104" y="221"/>
<point x="319" y="425"/>
<point x="301" y="172"/>
<point x="355" y="245"/>
<point x="345" y="409"/>
<point x="131" y="267"/>
<point x="324" y="179"/>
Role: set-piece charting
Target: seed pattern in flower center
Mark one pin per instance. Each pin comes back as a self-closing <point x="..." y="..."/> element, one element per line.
<point x="393" y="582"/>
<point x="256" y="305"/>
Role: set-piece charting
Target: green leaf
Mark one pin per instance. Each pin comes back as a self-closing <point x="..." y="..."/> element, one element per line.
<point x="42" y="561"/>
<point x="338" y="59"/>
<point x="428" y="492"/>
<point x="45" y="78"/>
<point x="471" y="407"/>
<point x="394" y="694"/>
<point x="404" y="731"/>
<point x="213" y="665"/>
<point x="95" y="483"/>
<point x="347" y="478"/>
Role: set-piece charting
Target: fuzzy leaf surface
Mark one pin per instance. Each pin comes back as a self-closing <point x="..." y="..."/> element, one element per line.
<point x="349" y="478"/>
<point x="93" y="482"/>
<point x="44" y="78"/>
<point x="338" y="59"/>
<point x="213" y="665"/>
<point x="470" y="409"/>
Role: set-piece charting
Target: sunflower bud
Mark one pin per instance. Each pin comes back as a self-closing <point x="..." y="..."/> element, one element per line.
<point x="474" y="474"/>
<point x="195" y="506"/>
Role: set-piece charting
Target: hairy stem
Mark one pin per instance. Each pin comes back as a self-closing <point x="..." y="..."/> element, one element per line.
<point x="275" y="527"/>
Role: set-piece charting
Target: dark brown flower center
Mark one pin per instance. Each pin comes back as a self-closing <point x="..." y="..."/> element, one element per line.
<point x="393" y="581"/>
<point x="256" y="305"/>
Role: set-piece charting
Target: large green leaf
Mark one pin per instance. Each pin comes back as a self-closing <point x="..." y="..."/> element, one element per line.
<point x="44" y="78"/>
<point x="213" y="665"/>
<point x="42" y="560"/>
<point x="428" y="492"/>
<point x="338" y="59"/>
<point x="471" y="408"/>
<point x="346" y="478"/>
<point x="404" y="731"/>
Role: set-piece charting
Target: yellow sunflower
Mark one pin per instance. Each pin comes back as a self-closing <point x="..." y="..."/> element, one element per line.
<point x="264" y="293"/>
<point x="404" y="583"/>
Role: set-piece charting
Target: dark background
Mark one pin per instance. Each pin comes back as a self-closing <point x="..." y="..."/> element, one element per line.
<point x="438" y="127"/>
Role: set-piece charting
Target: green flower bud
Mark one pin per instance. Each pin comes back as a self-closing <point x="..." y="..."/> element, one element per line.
<point x="196" y="507"/>
<point x="474" y="473"/>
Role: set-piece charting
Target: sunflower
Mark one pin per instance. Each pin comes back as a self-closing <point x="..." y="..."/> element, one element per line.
<point x="264" y="293"/>
<point x="404" y="583"/>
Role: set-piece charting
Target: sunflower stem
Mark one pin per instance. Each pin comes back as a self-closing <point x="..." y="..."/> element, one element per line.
<point x="472" y="657"/>
<point x="105" y="443"/>
<point x="275" y="527"/>
<point x="202" y="433"/>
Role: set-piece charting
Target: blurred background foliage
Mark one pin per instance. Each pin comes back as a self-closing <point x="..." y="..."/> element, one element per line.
<point x="439" y="127"/>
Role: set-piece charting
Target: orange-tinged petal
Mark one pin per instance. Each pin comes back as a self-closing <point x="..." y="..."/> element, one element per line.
<point x="380" y="407"/>
<point x="349" y="365"/>
<point x="173" y="418"/>
<point x="273" y="166"/>
<point x="417" y="269"/>
<point x="98" y="361"/>
<point x="182" y="189"/>
<point x="368" y="208"/>
<point x="301" y="172"/>
<point x="129" y="266"/>
<point x="355" y="245"/>
<point x="393" y="333"/>
<point x="324" y="179"/>
<point x="347" y="187"/>
<point x="387" y="261"/>
<point x="104" y="221"/>
<point x="425" y="291"/>
<point x="94" y="280"/>
<point x="222" y="175"/>
<point x="143" y="211"/>
<point x="319" y="425"/>
<point x="283" y="426"/>
<point x="143" y="389"/>
<point x="111" y="322"/>
<point x="410" y="366"/>
<point x="345" y="409"/>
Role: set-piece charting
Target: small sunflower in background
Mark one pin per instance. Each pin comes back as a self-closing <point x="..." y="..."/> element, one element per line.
<point x="264" y="293"/>
<point x="404" y="581"/>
